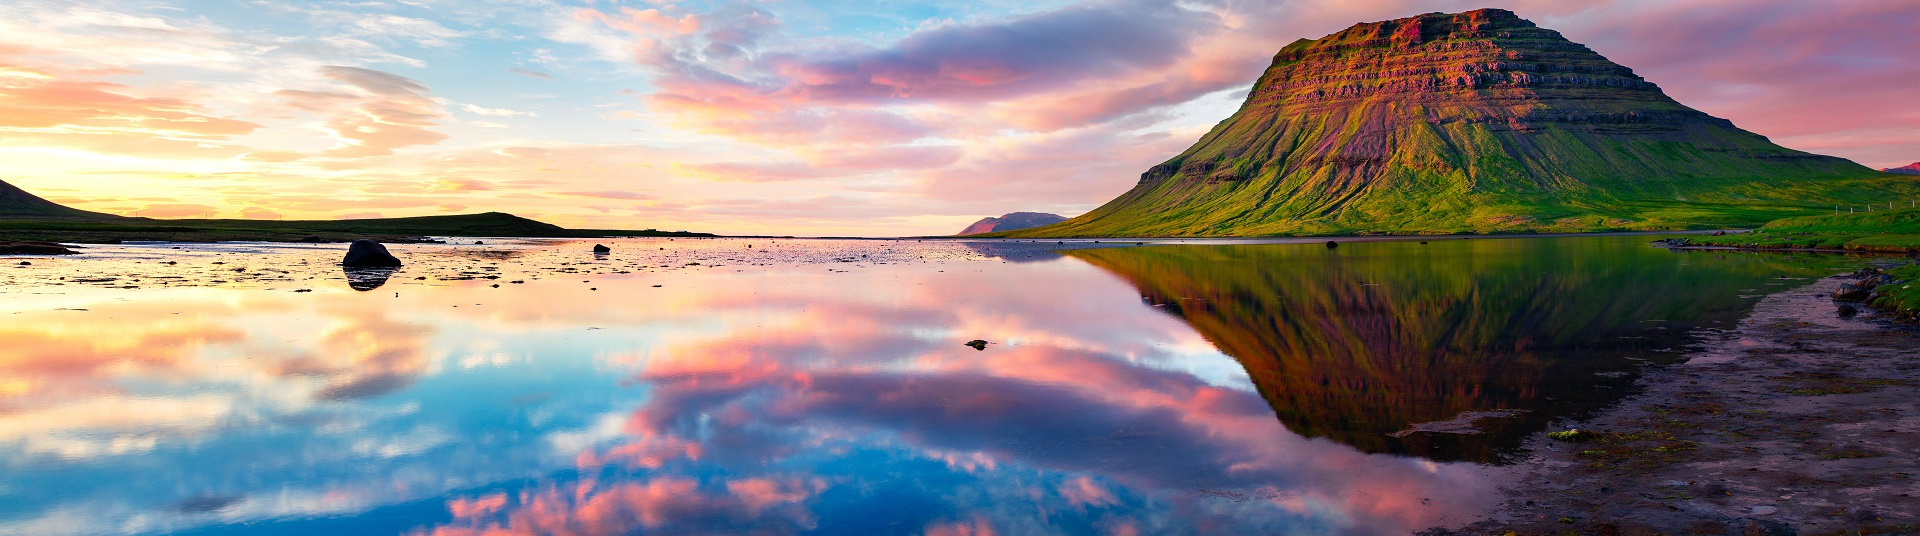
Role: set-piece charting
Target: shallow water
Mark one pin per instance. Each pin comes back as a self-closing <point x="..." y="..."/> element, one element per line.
<point x="821" y="386"/>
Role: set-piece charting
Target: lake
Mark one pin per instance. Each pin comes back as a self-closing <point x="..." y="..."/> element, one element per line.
<point x="823" y="386"/>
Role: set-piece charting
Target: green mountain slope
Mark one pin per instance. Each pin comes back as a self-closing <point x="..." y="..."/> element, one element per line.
<point x="1471" y="122"/>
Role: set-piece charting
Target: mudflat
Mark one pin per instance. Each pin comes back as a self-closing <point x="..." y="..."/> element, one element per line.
<point x="1798" y="421"/>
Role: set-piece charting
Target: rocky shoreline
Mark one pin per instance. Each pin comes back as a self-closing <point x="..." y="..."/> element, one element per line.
<point x="1801" y="420"/>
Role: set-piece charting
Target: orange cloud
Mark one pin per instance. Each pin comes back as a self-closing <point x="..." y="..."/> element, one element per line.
<point x="45" y="108"/>
<point x="174" y="210"/>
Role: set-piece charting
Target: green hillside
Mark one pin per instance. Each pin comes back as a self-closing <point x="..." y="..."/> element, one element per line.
<point x="1475" y="122"/>
<point x="1884" y="230"/>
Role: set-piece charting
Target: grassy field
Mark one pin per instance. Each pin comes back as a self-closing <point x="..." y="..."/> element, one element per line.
<point x="1902" y="299"/>
<point x="1892" y="231"/>
<point x="384" y="229"/>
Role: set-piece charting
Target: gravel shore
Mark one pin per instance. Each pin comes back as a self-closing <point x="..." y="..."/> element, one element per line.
<point x="1798" y="421"/>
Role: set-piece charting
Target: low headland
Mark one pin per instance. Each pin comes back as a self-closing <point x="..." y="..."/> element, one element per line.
<point x="31" y="225"/>
<point x="415" y="229"/>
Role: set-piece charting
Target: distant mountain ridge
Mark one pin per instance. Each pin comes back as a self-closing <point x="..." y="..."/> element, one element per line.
<point x="1909" y="169"/>
<point x="1471" y="122"/>
<point x="1012" y="221"/>
<point x="24" y="216"/>
<point x="17" y="204"/>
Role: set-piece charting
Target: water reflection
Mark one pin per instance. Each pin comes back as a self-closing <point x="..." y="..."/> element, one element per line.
<point x="774" y="399"/>
<point x="365" y="279"/>
<point x="1362" y="344"/>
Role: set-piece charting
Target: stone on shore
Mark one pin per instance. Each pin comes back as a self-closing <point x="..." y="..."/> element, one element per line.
<point x="602" y="249"/>
<point x="1849" y="293"/>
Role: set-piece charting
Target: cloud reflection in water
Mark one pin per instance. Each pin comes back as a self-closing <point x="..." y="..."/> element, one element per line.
<point x="777" y="400"/>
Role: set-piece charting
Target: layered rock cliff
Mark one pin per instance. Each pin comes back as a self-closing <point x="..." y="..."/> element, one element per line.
<point x="1909" y="169"/>
<point x="1476" y="121"/>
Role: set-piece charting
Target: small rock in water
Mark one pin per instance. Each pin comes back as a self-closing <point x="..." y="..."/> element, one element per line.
<point x="368" y="254"/>
<point x="978" y="344"/>
<point x="1332" y="244"/>
<point x="312" y="239"/>
<point x="1847" y="310"/>
<point x="602" y="249"/>
<point x="25" y="263"/>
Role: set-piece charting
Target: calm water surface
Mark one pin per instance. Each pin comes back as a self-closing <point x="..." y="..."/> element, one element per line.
<point x="804" y="386"/>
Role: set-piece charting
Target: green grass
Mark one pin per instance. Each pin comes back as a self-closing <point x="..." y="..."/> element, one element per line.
<point x="1904" y="298"/>
<point x="1892" y="231"/>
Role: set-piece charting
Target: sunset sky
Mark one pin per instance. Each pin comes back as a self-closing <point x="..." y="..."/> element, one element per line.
<point x="812" y="117"/>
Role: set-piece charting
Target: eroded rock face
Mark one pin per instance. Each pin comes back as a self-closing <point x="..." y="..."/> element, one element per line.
<point x="369" y="254"/>
<point x="1425" y="122"/>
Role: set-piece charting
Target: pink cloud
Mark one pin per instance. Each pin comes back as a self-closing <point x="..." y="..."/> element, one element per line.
<point x="373" y="113"/>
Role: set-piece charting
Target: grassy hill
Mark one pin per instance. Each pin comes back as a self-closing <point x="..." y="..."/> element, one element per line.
<point x="17" y="204"/>
<point x="26" y="217"/>
<point x="385" y="229"/>
<point x="1476" y="122"/>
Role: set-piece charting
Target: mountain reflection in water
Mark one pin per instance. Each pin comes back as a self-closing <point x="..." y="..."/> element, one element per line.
<point x="657" y="395"/>
<point x="1360" y="344"/>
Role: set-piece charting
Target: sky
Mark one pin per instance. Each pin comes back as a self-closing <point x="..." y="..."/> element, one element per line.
<point x="808" y="117"/>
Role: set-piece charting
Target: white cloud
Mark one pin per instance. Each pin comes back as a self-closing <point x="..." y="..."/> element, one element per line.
<point x="494" y="112"/>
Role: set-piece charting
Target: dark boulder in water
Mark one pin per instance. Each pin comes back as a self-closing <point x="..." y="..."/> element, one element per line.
<point x="1332" y="244"/>
<point x="369" y="254"/>
<point x="978" y="344"/>
<point x="602" y="249"/>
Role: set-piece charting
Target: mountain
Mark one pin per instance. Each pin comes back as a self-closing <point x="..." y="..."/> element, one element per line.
<point x="1470" y="122"/>
<point x="1012" y="221"/>
<point x="17" y="204"/>
<point x="1909" y="169"/>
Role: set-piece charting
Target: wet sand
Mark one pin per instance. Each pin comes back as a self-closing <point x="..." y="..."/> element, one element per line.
<point x="1797" y="421"/>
